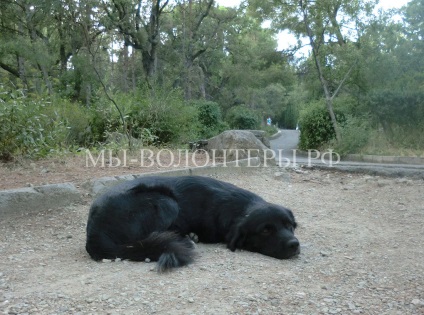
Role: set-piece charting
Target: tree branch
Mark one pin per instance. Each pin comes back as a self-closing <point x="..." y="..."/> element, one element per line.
<point x="9" y="69"/>
<point x="203" y="16"/>
<point x="343" y="81"/>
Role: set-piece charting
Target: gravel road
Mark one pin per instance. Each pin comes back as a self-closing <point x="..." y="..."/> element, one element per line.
<point x="362" y="253"/>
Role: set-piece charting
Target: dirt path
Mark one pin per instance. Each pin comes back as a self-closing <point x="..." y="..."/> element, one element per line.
<point x="79" y="169"/>
<point x="362" y="253"/>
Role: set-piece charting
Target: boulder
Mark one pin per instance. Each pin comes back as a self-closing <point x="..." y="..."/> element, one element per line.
<point x="238" y="145"/>
<point x="261" y="135"/>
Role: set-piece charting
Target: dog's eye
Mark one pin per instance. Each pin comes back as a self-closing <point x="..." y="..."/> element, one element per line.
<point x="266" y="230"/>
<point x="288" y="226"/>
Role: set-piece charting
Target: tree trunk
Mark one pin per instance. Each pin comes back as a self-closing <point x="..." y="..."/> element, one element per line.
<point x="125" y="69"/>
<point x="328" y="97"/>
<point x="324" y="84"/>
<point x="47" y="81"/>
<point x="202" y="83"/>
<point x="133" y="71"/>
<point x="188" y="79"/>
<point x="150" y="54"/>
<point x="22" y="72"/>
<point x="190" y="34"/>
<point x="88" y="95"/>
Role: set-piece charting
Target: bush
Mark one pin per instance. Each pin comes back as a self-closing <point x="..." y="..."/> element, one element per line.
<point x="316" y="127"/>
<point x="408" y="142"/>
<point x="31" y="128"/>
<point x="164" y="113"/>
<point x="154" y="117"/>
<point x="289" y="117"/>
<point x="210" y="119"/>
<point x="400" y="113"/>
<point x="355" y="134"/>
<point x="78" y="120"/>
<point x="38" y="127"/>
<point x="105" y="118"/>
<point x="403" y="108"/>
<point x="242" y="117"/>
<point x="270" y="130"/>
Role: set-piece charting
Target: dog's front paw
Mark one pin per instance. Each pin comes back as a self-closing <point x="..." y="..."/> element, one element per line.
<point x="194" y="237"/>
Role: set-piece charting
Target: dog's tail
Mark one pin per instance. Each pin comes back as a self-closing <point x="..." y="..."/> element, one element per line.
<point x="169" y="249"/>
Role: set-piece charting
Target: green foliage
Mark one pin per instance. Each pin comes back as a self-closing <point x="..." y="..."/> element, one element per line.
<point x="288" y="117"/>
<point x="153" y="118"/>
<point x="410" y="138"/>
<point x="295" y="100"/>
<point x="242" y="117"/>
<point x="406" y="142"/>
<point x="161" y="115"/>
<point x="355" y="134"/>
<point x="209" y="113"/>
<point x="38" y="127"/>
<point x="78" y="121"/>
<point x="53" y="57"/>
<point x="270" y="130"/>
<point x="209" y="118"/>
<point x="30" y="128"/>
<point x="404" y="108"/>
<point x="316" y="127"/>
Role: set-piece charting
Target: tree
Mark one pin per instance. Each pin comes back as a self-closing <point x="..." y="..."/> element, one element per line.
<point x="250" y="66"/>
<point x="326" y="26"/>
<point x="192" y="39"/>
<point x="391" y="71"/>
<point x="139" y="24"/>
<point x="39" y="39"/>
<point x="193" y="36"/>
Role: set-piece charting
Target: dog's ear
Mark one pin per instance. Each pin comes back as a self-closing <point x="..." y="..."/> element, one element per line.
<point x="236" y="237"/>
<point x="292" y="218"/>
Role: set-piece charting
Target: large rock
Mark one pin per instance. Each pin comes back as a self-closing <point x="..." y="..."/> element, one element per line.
<point x="237" y="145"/>
<point x="261" y="135"/>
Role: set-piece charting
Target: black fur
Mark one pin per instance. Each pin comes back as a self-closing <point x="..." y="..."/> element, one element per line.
<point x="149" y="217"/>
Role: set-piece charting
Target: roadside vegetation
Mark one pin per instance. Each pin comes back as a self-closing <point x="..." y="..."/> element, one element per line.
<point x="76" y="74"/>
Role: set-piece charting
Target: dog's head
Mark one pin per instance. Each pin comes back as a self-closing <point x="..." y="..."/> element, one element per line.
<point x="267" y="229"/>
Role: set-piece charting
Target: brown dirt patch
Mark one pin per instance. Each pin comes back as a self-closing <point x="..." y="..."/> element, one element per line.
<point x="362" y="253"/>
<point x="78" y="169"/>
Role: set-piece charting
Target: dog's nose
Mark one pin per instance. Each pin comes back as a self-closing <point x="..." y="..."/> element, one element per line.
<point x="293" y="245"/>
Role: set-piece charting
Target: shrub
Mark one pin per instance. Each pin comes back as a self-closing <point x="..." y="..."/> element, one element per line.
<point x="78" y="120"/>
<point x="400" y="113"/>
<point x="408" y="142"/>
<point x="164" y="113"/>
<point x="270" y="130"/>
<point x="242" y="117"/>
<point x="288" y="117"/>
<point x="105" y="118"/>
<point x="404" y="108"/>
<point x="316" y="127"/>
<point x="210" y="118"/>
<point x="31" y="128"/>
<point x="354" y="134"/>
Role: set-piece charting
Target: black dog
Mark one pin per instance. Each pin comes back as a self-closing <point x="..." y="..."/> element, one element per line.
<point x="149" y="217"/>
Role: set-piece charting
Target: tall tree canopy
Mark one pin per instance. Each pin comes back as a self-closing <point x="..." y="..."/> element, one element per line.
<point x="365" y="65"/>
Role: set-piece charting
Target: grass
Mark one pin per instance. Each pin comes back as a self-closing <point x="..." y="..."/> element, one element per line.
<point x="379" y="144"/>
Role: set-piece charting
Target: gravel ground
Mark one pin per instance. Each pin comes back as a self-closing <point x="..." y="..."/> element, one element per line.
<point x="362" y="253"/>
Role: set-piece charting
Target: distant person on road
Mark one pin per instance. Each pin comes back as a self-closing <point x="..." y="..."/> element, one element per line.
<point x="269" y="121"/>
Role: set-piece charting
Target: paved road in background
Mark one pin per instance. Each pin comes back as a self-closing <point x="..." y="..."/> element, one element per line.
<point x="287" y="155"/>
<point x="287" y="142"/>
<point x="285" y="147"/>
